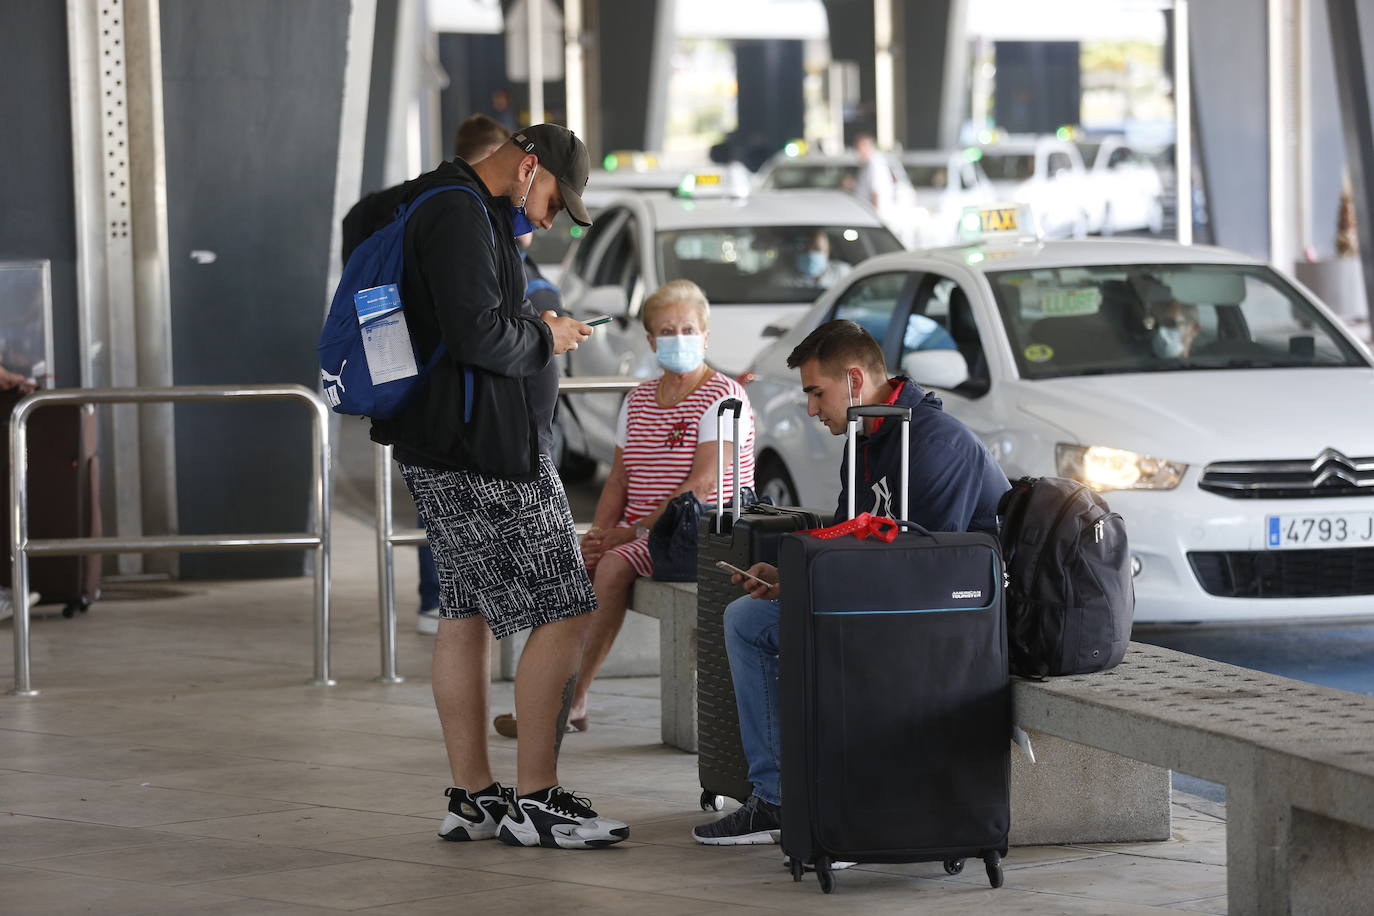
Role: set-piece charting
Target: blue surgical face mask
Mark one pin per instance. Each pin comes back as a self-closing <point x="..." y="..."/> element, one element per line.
<point x="1167" y="343"/>
<point x="681" y="353"/>
<point x="811" y="263"/>
<point x="522" y="223"/>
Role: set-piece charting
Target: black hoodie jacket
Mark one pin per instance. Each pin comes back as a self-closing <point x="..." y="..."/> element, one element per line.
<point x="955" y="483"/>
<point x="461" y="290"/>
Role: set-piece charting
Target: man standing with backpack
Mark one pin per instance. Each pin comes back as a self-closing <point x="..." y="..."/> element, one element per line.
<point x="473" y="449"/>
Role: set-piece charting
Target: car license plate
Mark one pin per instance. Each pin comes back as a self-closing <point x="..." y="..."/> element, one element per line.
<point x="1352" y="529"/>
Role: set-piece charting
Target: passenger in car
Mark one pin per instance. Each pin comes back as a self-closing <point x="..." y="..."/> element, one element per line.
<point x="811" y="266"/>
<point x="665" y="446"/>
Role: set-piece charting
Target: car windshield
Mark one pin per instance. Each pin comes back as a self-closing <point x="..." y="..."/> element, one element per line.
<point x="815" y="175"/>
<point x="1069" y="321"/>
<point x="766" y="264"/>
<point x="928" y="176"/>
<point x="1008" y="166"/>
<point x="549" y="246"/>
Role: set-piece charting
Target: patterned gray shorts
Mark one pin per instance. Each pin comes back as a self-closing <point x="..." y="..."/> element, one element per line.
<point x="505" y="550"/>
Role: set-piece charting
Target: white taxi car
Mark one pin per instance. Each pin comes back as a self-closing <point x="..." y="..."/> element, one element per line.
<point x="1222" y="409"/>
<point x="946" y="183"/>
<point x="1126" y="186"/>
<point x="746" y="253"/>
<point x="1048" y="174"/>
<point x="840" y="172"/>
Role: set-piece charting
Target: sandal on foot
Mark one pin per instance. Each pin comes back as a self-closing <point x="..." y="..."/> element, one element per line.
<point x="505" y="725"/>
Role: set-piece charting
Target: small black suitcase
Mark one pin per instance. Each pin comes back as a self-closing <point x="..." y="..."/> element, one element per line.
<point x="740" y="538"/>
<point x="895" y="696"/>
<point x="64" y="500"/>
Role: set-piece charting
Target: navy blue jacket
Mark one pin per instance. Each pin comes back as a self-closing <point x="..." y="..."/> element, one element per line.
<point x="955" y="483"/>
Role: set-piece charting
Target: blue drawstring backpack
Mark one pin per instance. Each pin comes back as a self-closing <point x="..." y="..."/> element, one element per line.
<point x="368" y="363"/>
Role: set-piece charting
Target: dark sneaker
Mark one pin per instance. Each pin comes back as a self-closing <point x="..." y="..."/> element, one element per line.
<point x="755" y="822"/>
<point x="475" y="816"/>
<point x="558" y="819"/>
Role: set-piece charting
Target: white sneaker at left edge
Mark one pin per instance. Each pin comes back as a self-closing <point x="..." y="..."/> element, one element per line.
<point x="558" y="820"/>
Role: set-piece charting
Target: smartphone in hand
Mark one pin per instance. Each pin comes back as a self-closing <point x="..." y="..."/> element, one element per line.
<point x="721" y="564"/>
<point x="598" y="320"/>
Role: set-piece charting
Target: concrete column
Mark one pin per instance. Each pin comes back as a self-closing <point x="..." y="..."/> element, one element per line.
<point x="1285" y="59"/>
<point x="631" y="60"/>
<point x="1352" y="31"/>
<point x="852" y="40"/>
<point x="1229" y="79"/>
<point x="930" y="57"/>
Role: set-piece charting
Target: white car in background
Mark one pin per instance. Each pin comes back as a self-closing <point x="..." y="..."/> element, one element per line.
<point x="632" y="172"/>
<point x="946" y="182"/>
<point x="741" y="251"/>
<point x="1126" y="186"/>
<point x="840" y="172"/>
<point x="1047" y="173"/>
<point x="1244" y="467"/>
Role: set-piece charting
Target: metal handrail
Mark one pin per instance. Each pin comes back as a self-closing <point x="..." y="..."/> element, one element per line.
<point x="21" y="547"/>
<point x="388" y="537"/>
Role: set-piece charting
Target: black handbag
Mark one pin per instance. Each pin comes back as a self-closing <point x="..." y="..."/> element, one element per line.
<point x="673" y="539"/>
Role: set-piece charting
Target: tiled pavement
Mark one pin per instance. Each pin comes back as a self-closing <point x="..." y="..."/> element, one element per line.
<point x="176" y="762"/>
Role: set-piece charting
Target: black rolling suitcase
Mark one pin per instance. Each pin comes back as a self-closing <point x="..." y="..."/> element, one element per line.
<point x="740" y="538"/>
<point x="64" y="501"/>
<point x="895" y="696"/>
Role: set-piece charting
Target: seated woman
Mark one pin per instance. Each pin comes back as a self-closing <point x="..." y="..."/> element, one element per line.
<point x="665" y="446"/>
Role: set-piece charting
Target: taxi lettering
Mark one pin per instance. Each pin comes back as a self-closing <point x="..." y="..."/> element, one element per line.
<point x="1001" y="219"/>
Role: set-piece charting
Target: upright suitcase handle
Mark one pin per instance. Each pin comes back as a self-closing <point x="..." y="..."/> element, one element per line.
<point x="736" y="406"/>
<point x="854" y="414"/>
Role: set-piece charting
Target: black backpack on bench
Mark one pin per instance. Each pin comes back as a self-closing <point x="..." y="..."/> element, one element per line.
<point x="1070" y="598"/>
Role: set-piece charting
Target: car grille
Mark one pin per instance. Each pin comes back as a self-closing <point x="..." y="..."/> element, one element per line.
<point x="1286" y="573"/>
<point x="1329" y="474"/>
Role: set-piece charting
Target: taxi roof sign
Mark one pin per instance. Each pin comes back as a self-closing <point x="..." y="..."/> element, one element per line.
<point x="998" y="221"/>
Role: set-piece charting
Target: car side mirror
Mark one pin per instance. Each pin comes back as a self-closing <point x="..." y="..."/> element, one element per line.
<point x="945" y="369"/>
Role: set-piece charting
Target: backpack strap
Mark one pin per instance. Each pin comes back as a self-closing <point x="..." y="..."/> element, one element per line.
<point x="468" y="378"/>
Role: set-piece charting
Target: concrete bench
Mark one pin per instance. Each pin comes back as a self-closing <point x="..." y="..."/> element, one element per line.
<point x="1297" y="761"/>
<point x="675" y="606"/>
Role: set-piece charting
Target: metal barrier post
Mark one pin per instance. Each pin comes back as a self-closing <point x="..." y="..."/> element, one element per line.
<point x="388" y="537"/>
<point x="386" y="564"/>
<point x="21" y="547"/>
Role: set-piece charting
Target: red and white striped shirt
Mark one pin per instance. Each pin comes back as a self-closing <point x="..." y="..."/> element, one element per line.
<point x="660" y="443"/>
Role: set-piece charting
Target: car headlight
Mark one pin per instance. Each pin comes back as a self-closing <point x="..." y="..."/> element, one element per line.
<point x="1105" y="468"/>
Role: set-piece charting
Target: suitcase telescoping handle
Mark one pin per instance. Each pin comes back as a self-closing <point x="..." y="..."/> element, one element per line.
<point x="854" y="415"/>
<point x="735" y="406"/>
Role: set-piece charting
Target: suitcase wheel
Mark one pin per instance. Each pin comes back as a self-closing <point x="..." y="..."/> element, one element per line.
<point x="954" y="866"/>
<point x="993" y="863"/>
<point x="710" y="801"/>
<point x="798" y="868"/>
<point x="73" y="608"/>
<point x="824" y="875"/>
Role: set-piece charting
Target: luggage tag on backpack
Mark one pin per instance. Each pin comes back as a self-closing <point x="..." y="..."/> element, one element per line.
<point x="386" y="337"/>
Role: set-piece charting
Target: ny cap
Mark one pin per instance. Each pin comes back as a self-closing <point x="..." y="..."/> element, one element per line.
<point x="565" y="156"/>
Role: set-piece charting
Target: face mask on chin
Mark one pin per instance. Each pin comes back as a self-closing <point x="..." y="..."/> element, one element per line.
<point x="522" y="223"/>
<point x="681" y="353"/>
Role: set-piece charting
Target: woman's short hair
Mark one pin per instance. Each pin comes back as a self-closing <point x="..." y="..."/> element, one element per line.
<point x="837" y="345"/>
<point x="684" y="292"/>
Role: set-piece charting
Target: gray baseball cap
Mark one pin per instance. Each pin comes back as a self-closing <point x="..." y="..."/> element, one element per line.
<point x="564" y="154"/>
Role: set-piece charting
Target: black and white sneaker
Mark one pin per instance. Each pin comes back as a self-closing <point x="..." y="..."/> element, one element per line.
<point x="558" y="819"/>
<point x="474" y="816"/>
<point x="756" y="822"/>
